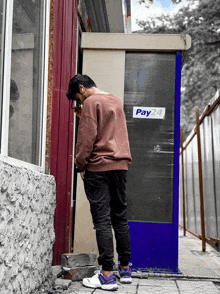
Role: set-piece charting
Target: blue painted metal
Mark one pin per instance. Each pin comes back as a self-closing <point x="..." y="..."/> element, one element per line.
<point x="155" y="245"/>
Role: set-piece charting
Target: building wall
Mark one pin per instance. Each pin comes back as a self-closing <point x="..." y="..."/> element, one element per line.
<point x="61" y="145"/>
<point x="27" y="206"/>
<point x="27" y="195"/>
<point x="50" y="87"/>
<point x="60" y="124"/>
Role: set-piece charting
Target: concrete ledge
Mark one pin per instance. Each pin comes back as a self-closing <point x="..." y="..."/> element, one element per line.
<point x="143" y="42"/>
<point x="72" y="260"/>
<point x="79" y="273"/>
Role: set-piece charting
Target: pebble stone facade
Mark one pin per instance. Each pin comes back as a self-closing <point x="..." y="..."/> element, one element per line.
<point x="27" y="206"/>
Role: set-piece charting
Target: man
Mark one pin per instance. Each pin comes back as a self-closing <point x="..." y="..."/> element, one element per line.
<point x="103" y="156"/>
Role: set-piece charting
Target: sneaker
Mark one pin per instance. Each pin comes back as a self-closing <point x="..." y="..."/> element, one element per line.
<point x="125" y="275"/>
<point x="99" y="281"/>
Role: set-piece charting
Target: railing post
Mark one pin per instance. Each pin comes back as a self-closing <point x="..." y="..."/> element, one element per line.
<point x="183" y="186"/>
<point x="200" y="182"/>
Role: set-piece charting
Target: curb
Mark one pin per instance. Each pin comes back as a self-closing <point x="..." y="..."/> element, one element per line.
<point x="142" y="275"/>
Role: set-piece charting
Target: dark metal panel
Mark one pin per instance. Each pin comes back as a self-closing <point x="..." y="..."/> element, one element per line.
<point x="150" y="82"/>
<point x="128" y="4"/>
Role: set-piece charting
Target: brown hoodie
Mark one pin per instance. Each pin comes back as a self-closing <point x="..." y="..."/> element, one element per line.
<point x="102" y="142"/>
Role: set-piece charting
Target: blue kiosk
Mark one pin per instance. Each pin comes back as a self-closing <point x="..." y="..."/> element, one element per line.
<point x="145" y="72"/>
<point x="152" y="91"/>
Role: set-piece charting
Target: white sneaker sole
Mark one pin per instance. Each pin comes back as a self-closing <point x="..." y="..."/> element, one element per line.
<point x="126" y="280"/>
<point x="109" y="287"/>
<point x="86" y="283"/>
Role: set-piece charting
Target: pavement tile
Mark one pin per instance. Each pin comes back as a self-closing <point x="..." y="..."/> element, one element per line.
<point x="217" y="285"/>
<point x="122" y="289"/>
<point x="135" y="281"/>
<point x="127" y="289"/>
<point x="158" y="290"/>
<point x="188" y="257"/>
<point x="84" y="290"/>
<point x="216" y="260"/>
<point x="157" y="286"/>
<point x="157" y="282"/>
<point x="199" y="272"/>
<point x="210" y="262"/>
<point x="197" y="287"/>
<point x="193" y="263"/>
<point x="217" y="272"/>
<point x="207" y="253"/>
<point x="150" y="290"/>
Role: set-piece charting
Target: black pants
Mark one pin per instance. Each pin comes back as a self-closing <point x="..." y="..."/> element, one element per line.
<point x="106" y="194"/>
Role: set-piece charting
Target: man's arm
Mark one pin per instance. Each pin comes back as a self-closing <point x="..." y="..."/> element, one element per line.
<point x="87" y="133"/>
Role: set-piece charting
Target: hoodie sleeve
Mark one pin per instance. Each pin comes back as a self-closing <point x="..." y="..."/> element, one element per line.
<point x="87" y="132"/>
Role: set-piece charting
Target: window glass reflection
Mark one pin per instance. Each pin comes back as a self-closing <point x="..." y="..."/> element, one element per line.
<point x="26" y="76"/>
<point x="1" y="58"/>
<point x="150" y="82"/>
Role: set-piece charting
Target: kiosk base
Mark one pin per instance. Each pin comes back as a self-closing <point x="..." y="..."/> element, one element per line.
<point x="154" y="247"/>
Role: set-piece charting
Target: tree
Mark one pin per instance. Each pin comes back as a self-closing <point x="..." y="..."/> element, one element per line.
<point x="148" y="3"/>
<point x="201" y="70"/>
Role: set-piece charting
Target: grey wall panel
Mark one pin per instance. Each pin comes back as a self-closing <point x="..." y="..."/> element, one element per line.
<point x="189" y="189"/>
<point x="195" y="180"/>
<point x="210" y="149"/>
<point x="208" y="184"/>
<point x="180" y="193"/>
<point x="185" y="182"/>
<point x="216" y="153"/>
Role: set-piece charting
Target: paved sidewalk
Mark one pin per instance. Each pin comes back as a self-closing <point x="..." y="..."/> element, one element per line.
<point x="200" y="274"/>
<point x="194" y="262"/>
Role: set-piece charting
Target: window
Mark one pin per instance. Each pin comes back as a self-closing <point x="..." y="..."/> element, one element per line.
<point x="147" y="75"/>
<point x="2" y="6"/>
<point x="24" y="79"/>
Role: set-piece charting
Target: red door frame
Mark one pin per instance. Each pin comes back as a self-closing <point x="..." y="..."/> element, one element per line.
<point x="64" y="67"/>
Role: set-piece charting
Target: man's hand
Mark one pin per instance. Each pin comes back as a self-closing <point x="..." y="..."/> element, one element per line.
<point x="78" y="110"/>
<point x="82" y="175"/>
<point x="81" y="172"/>
<point x="75" y="161"/>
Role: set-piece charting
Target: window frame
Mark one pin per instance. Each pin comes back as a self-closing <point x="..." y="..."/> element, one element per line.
<point x="6" y="75"/>
<point x="2" y="57"/>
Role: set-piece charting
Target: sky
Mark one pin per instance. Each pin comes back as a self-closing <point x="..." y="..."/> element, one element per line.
<point x="139" y="11"/>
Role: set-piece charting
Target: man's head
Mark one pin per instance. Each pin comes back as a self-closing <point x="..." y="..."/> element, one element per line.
<point x="79" y="87"/>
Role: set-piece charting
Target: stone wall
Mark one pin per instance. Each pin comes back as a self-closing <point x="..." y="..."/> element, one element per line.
<point x="27" y="206"/>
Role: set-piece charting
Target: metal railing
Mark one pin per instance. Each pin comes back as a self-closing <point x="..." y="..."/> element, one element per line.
<point x="200" y="177"/>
